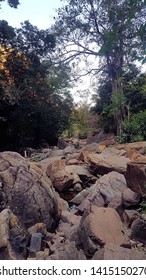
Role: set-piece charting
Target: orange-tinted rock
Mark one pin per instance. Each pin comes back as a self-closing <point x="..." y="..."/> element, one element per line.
<point x="60" y="177"/>
<point x="136" y="148"/>
<point x="101" y="226"/>
<point x="103" y="163"/>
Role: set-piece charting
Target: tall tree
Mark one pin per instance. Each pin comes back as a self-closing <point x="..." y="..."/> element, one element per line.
<point x="34" y="96"/>
<point x="134" y="90"/>
<point x="113" y="30"/>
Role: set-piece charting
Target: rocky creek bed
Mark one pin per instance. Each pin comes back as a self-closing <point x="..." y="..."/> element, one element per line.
<point x="77" y="201"/>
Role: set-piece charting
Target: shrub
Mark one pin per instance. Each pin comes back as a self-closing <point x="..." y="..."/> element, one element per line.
<point x="134" y="129"/>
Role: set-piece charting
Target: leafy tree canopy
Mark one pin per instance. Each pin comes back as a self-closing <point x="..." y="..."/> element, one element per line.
<point x="35" y="102"/>
<point x="12" y="3"/>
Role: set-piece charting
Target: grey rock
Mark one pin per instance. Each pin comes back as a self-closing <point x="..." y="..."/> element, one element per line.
<point x="138" y="230"/>
<point x="13" y="237"/>
<point x="28" y="193"/>
<point x="38" y="228"/>
<point x="104" y="190"/>
<point x="78" y="187"/>
<point x="36" y="242"/>
<point x="67" y="251"/>
<point x="79" y="198"/>
<point x="129" y="216"/>
<point x="69" y="150"/>
<point x="117" y="204"/>
<point x="130" y="198"/>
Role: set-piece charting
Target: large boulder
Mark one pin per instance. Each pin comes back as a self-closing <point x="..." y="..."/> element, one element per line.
<point x="13" y="237"/>
<point x="104" y="163"/>
<point x="104" y="190"/>
<point x="101" y="226"/>
<point x="27" y="191"/>
<point x="60" y="177"/>
<point x="136" y="176"/>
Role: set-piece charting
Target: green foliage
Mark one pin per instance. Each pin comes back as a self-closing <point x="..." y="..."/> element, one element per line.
<point x="143" y="203"/>
<point x="7" y="33"/>
<point x="134" y="129"/>
<point x="34" y="42"/>
<point x="35" y="102"/>
<point x="143" y="207"/>
<point x="118" y="99"/>
<point x="132" y="99"/>
<point x="81" y="122"/>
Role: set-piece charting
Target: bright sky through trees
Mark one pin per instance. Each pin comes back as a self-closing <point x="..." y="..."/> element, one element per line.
<point x="39" y="13"/>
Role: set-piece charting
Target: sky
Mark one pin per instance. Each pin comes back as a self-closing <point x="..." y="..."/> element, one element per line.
<point x="38" y="12"/>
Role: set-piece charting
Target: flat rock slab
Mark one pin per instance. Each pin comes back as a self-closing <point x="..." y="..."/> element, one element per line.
<point x="104" y="163"/>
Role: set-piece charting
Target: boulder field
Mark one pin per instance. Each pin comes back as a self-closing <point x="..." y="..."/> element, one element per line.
<point x="80" y="201"/>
